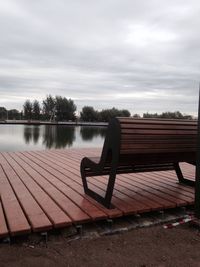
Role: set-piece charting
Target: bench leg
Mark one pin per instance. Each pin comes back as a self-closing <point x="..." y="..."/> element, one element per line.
<point x="110" y="188"/>
<point x="181" y="179"/>
<point x="105" y="201"/>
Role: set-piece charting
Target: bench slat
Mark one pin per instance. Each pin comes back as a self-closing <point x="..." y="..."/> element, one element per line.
<point x="157" y="137"/>
<point x="173" y="147"/>
<point x="190" y="127"/>
<point x="178" y="142"/>
<point x="157" y="121"/>
<point x="160" y="132"/>
<point x="156" y="150"/>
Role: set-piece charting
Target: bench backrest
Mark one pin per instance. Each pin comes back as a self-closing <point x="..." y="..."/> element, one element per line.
<point x="155" y="139"/>
<point x="157" y="136"/>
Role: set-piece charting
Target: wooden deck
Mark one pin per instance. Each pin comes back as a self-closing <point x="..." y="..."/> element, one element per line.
<point x="43" y="190"/>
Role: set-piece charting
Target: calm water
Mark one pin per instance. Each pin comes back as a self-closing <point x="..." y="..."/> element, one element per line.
<point x="29" y="137"/>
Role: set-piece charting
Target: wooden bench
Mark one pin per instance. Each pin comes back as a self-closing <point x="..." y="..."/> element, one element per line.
<point x="141" y="145"/>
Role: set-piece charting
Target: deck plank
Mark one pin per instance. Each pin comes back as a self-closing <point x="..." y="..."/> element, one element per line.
<point x="67" y="188"/>
<point x="172" y="190"/>
<point x="72" y="180"/>
<point x="3" y="227"/>
<point x="35" y="215"/>
<point x="43" y="189"/>
<point x="151" y="194"/>
<point x="15" y="217"/>
<point x="170" y="180"/>
<point x="132" y="205"/>
<point x="169" y="192"/>
<point x="57" y="217"/>
<point x="126" y="208"/>
<point x="65" y="204"/>
<point x="157" y="190"/>
<point x="72" y="211"/>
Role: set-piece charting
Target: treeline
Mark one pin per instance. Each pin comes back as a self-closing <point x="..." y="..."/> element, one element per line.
<point x="52" y="108"/>
<point x="91" y="115"/>
<point x="60" y="108"/>
<point x="168" y="115"/>
<point x="12" y="114"/>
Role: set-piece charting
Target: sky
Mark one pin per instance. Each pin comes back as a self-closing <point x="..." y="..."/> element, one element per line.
<point x="143" y="56"/>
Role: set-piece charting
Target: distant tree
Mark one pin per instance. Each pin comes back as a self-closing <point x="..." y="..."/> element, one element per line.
<point x="168" y="115"/>
<point x="3" y="113"/>
<point x="36" y="110"/>
<point x="124" y="113"/>
<point x="89" y="114"/>
<point x="188" y="117"/>
<point x="65" y="109"/>
<point x="49" y="105"/>
<point x="150" y="115"/>
<point x="107" y="114"/>
<point x="28" y="108"/>
<point x="137" y="116"/>
<point x="171" y="115"/>
<point x="13" y="114"/>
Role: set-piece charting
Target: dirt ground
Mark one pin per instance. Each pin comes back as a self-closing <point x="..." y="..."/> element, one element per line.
<point x="153" y="246"/>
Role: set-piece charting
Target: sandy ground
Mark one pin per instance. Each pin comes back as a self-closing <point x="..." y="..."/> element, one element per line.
<point x="153" y="246"/>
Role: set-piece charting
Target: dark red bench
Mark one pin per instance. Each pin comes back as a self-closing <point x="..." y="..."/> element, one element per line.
<point x="141" y="145"/>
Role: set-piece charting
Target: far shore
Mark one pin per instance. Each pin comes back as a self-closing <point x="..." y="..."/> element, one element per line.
<point x="71" y="123"/>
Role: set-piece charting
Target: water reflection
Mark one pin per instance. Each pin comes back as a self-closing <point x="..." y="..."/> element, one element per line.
<point x="36" y="134"/>
<point x="31" y="133"/>
<point x="58" y="136"/>
<point x="28" y="134"/>
<point x="31" y="137"/>
<point x="88" y="133"/>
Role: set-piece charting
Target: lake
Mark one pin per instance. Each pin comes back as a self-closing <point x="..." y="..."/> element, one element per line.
<point x="32" y="137"/>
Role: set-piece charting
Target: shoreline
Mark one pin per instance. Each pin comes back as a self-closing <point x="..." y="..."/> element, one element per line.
<point x="69" y="123"/>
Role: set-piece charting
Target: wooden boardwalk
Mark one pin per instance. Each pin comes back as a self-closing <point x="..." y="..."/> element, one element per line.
<point x="43" y="190"/>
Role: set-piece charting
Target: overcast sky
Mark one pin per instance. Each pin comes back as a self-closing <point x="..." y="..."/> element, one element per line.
<point x="139" y="55"/>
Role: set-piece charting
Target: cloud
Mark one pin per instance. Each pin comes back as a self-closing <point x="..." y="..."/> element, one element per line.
<point x="140" y="55"/>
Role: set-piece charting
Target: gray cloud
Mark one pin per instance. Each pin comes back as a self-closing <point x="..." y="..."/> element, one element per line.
<point x="140" y="55"/>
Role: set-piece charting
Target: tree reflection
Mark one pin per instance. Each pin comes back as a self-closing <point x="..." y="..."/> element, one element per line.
<point x="56" y="136"/>
<point x="60" y="136"/>
<point x="28" y="134"/>
<point x="89" y="132"/>
<point x="36" y="134"/>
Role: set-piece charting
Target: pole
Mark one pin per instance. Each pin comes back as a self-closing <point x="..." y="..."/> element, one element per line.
<point x="197" y="174"/>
